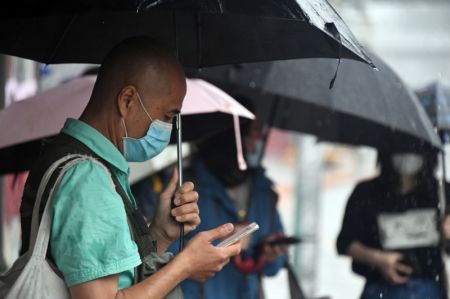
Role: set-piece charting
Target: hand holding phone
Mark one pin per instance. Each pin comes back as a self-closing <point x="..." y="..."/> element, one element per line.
<point x="245" y="231"/>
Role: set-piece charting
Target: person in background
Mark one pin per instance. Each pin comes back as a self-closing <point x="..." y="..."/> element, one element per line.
<point x="238" y="196"/>
<point x="391" y="229"/>
<point x="148" y="190"/>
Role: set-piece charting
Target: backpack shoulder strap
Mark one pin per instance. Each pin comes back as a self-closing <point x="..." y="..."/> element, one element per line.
<point x="137" y="223"/>
<point x="136" y="220"/>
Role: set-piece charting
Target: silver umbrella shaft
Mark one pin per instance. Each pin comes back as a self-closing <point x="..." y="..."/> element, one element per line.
<point x="180" y="171"/>
<point x="179" y="150"/>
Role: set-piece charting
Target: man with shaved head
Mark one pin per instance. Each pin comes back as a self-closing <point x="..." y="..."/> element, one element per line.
<point x="98" y="239"/>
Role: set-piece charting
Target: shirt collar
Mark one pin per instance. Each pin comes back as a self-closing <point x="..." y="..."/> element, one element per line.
<point x="97" y="142"/>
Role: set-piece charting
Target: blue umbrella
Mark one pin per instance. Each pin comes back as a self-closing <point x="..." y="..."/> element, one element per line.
<point x="435" y="98"/>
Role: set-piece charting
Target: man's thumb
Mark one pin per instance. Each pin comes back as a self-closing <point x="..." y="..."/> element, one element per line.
<point x="170" y="189"/>
<point x="220" y="231"/>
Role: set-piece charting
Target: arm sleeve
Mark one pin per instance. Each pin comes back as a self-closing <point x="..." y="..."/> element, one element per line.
<point x="352" y="224"/>
<point x="90" y="235"/>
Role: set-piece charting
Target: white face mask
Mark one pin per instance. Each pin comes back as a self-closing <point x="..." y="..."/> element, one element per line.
<point x="407" y="164"/>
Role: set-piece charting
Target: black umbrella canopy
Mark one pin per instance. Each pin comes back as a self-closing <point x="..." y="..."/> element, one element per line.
<point x="203" y="32"/>
<point x="365" y="106"/>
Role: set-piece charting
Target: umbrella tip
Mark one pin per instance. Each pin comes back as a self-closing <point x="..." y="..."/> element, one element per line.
<point x="242" y="165"/>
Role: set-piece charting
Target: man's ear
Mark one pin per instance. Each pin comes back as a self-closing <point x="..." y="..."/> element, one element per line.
<point x="127" y="100"/>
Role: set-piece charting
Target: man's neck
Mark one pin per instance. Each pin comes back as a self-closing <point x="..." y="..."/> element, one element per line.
<point x="105" y="125"/>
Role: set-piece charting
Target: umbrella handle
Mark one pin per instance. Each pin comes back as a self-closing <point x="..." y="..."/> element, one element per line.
<point x="179" y="150"/>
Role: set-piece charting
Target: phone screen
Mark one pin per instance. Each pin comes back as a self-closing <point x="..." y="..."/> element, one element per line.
<point x="245" y="231"/>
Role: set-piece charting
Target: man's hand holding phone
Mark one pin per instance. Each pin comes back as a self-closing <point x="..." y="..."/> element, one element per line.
<point x="200" y="259"/>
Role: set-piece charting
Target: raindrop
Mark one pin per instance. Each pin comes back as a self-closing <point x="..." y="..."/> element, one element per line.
<point x="381" y="295"/>
<point x="252" y="84"/>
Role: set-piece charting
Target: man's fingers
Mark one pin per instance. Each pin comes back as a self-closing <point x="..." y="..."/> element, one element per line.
<point x="185" y="209"/>
<point x="225" y="262"/>
<point x="186" y="187"/>
<point x="219" y="232"/>
<point x="192" y="219"/>
<point x="170" y="189"/>
<point x="233" y="250"/>
<point x="189" y="226"/>
<point x="183" y="198"/>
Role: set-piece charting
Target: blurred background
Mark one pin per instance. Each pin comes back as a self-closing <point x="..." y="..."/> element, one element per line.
<point x="314" y="179"/>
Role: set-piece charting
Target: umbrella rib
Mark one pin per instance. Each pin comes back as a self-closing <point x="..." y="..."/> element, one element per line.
<point x="199" y="38"/>
<point x="175" y="33"/>
<point x="388" y="114"/>
<point x="333" y="29"/>
<point x="63" y="35"/>
<point x="220" y="6"/>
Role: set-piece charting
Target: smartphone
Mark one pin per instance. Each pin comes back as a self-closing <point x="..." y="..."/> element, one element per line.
<point x="245" y="231"/>
<point x="411" y="260"/>
<point x="284" y="241"/>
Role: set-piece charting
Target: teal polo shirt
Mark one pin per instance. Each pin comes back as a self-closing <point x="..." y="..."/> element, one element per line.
<point x="90" y="235"/>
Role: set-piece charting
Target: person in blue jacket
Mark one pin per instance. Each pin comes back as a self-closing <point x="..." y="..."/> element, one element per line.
<point x="227" y="194"/>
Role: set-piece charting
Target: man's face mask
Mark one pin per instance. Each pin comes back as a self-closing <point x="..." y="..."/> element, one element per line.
<point x="150" y="145"/>
<point x="407" y="164"/>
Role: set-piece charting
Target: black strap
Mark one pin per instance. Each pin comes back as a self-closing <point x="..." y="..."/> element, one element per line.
<point x="138" y="225"/>
<point x="295" y="290"/>
<point x="261" y="294"/>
